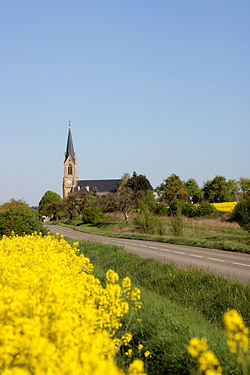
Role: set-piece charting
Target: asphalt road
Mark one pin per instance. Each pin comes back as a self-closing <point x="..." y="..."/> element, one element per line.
<point x="231" y="265"/>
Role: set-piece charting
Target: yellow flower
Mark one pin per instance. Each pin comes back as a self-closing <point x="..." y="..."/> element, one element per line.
<point x="127" y="338"/>
<point x="196" y="346"/>
<point x="147" y="353"/>
<point x="140" y="346"/>
<point x="55" y="316"/>
<point x="237" y="332"/>
<point x="136" y="367"/>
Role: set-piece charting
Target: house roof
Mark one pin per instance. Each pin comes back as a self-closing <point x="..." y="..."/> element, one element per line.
<point x="101" y="186"/>
<point x="70" y="148"/>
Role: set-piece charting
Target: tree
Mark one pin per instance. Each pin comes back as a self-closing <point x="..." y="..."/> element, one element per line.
<point x="71" y="204"/>
<point x="138" y="183"/>
<point x="217" y="190"/>
<point x="233" y="186"/>
<point x="17" y="216"/>
<point x="241" y="213"/>
<point x="124" y="200"/>
<point x="49" y="197"/>
<point x="125" y="177"/>
<point x="173" y="188"/>
<point x="244" y="185"/>
<point x="55" y="209"/>
<point x="193" y="190"/>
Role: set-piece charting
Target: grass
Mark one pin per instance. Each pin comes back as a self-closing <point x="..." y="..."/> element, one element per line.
<point x="211" y="232"/>
<point x="177" y="304"/>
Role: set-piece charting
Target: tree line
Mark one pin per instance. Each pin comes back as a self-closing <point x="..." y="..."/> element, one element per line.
<point x="136" y="193"/>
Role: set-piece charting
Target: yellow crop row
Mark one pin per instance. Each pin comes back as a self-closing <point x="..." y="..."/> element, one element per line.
<point x="55" y="316"/>
<point x="225" y="206"/>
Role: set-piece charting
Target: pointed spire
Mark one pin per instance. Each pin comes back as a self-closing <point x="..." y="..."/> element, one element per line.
<point x="70" y="148"/>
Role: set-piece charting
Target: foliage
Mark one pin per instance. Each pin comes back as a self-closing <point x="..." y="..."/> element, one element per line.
<point x="244" y="185"/>
<point x="171" y="189"/>
<point x="192" y="210"/>
<point x="146" y="199"/>
<point x="146" y="222"/>
<point x="194" y="192"/>
<point x="139" y="182"/>
<point x="161" y="209"/>
<point x="177" y="224"/>
<point x="217" y="190"/>
<point x="234" y="190"/>
<point x="71" y="205"/>
<point x="125" y="177"/>
<point x="92" y="215"/>
<point x="205" y="208"/>
<point x="241" y="213"/>
<point x="18" y="217"/>
<point x="49" y="197"/>
<point x="124" y="201"/>
<point x="56" y="318"/>
<point x="55" y="209"/>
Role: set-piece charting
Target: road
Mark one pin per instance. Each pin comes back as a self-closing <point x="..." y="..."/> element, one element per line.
<point x="235" y="266"/>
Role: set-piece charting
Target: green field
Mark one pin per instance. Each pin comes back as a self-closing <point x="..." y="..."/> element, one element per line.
<point x="177" y="305"/>
<point x="217" y="233"/>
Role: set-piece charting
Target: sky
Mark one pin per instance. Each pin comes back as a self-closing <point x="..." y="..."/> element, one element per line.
<point x="157" y="87"/>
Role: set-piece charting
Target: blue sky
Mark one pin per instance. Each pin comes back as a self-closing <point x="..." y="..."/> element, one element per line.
<point x="158" y="87"/>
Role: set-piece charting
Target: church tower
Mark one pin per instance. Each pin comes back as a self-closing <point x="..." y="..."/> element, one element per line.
<point x="70" y="167"/>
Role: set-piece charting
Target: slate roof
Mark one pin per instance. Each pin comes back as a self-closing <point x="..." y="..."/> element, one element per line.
<point x="102" y="186"/>
<point x="70" y="148"/>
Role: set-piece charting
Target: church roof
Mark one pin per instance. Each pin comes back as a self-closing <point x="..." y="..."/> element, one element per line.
<point x="70" y="148"/>
<point x="100" y="186"/>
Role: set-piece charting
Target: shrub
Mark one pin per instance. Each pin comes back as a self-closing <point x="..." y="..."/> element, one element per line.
<point x="161" y="209"/>
<point x="146" y="222"/>
<point x="205" y="208"/>
<point x="241" y="213"/>
<point x="185" y="208"/>
<point x="17" y="216"/>
<point x="92" y="215"/>
<point x="177" y="224"/>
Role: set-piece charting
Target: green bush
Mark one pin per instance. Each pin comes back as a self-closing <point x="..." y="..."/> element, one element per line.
<point x="177" y="224"/>
<point x="191" y="210"/>
<point x="91" y="215"/>
<point x="161" y="209"/>
<point x="17" y="216"/>
<point x="205" y="209"/>
<point x="146" y="222"/>
<point x="241" y="213"/>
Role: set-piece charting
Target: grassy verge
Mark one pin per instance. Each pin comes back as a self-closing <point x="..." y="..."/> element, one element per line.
<point x="177" y="305"/>
<point x="209" y="234"/>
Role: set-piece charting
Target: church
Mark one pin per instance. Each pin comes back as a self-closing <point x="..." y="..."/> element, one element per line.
<point x="71" y="184"/>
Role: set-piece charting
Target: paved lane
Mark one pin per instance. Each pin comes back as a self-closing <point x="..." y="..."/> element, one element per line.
<point x="225" y="263"/>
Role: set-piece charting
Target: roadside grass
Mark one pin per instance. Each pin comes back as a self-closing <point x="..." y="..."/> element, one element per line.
<point x="178" y="304"/>
<point x="215" y="233"/>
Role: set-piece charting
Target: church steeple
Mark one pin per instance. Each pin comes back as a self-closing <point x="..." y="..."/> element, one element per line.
<point x="70" y="167"/>
<point x="70" y="148"/>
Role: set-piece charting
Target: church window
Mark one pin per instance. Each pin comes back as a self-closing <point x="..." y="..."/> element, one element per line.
<point x="70" y="169"/>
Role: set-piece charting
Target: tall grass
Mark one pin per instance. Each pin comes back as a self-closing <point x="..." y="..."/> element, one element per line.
<point x="177" y="305"/>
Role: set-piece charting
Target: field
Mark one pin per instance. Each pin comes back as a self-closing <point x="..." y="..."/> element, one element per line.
<point x="211" y="232"/>
<point x="177" y="305"/>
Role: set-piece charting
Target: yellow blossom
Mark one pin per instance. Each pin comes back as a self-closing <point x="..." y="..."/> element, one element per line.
<point x="55" y="316"/>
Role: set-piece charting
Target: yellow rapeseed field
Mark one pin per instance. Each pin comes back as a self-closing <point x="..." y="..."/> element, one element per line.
<point x="55" y="316"/>
<point x="225" y="206"/>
